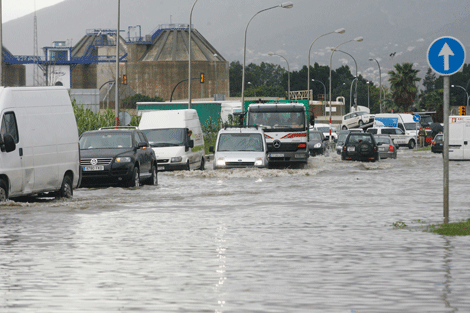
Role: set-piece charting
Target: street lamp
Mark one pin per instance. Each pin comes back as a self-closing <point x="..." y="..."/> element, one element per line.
<point x="288" y="73"/>
<point x="285" y="5"/>
<point x="324" y="93"/>
<point x="338" y="31"/>
<point x="116" y="86"/>
<point x="253" y="87"/>
<point x="215" y="68"/>
<point x="358" y="39"/>
<point x="355" y="93"/>
<point x="189" y="55"/>
<point x="380" y="82"/>
<point x="350" y="94"/>
<point x="368" y="95"/>
<point x="463" y="89"/>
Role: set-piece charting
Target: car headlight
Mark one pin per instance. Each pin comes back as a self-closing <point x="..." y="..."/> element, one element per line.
<point x="123" y="159"/>
<point x="259" y="162"/>
<point x="220" y="162"/>
<point x="317" y="145"/>
<point x="176" y="159"/>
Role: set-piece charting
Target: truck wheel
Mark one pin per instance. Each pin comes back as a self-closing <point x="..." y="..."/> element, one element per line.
<point x="3" y="191"/>
<point x="202" y="164"/>
<point x="66" y="190"/>
<point x="411" y="144"/>
<point x="135" y="179"/>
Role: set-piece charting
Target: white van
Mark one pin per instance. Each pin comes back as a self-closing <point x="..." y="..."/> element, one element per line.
<point x="39" y="142"/>
<point x="411" y="127"/>
<point x="459" y="137"/>
<point x="176" y="137"/>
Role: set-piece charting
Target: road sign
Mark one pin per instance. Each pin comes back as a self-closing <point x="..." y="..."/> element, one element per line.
<point x="446" y="55"/>
<point x="416" y="118"/>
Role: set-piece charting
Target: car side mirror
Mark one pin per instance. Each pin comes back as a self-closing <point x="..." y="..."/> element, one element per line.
<point x="142" y="145"/>
<point x="8" y="143"/>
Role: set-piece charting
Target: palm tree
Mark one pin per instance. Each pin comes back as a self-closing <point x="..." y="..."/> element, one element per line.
<point x="403" y="85"/>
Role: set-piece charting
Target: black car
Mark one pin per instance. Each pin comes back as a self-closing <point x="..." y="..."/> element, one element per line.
<point x="437" y="144"/>
<point x="117" y="155"/>
<point x="360" y="146"/>
<point x="316" y="143"/>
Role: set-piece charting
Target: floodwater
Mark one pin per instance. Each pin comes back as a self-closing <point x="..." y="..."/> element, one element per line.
<point x="320" y="239"/>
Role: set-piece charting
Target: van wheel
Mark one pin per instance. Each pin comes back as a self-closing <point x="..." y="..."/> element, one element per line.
<point x="411" y="144"/>
<point x="135" y="179"/>
<point x="361" y="123"/>
<point x="187" y="168"/>
<point x="202" y="164"/>
<point x="3" y="191"/>
<point x="344" y="127"/>
<point x="66" y="190"/>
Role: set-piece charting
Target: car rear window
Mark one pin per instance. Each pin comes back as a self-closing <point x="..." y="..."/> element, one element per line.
<point x="356" y="138"/>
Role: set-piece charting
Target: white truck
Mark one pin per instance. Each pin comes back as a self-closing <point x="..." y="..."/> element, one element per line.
<point x="285" y="127"/>
<point x="459" y="138"/>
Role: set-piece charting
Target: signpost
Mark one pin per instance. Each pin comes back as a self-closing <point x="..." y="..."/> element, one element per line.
<point x="416" y="119"/>
<point x="446" y="56"/>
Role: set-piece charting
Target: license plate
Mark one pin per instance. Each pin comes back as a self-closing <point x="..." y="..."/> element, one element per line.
<point x="94" y="168"/>
<point x="276" y="155"/>
<point x="381" y="149"/>
<point x="161" y="168"/>
<point x="351" y="148"/>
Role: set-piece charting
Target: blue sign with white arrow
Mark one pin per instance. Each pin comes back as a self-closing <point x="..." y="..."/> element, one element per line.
<point x="446" y="55"/>
<point x="416" y="118"/>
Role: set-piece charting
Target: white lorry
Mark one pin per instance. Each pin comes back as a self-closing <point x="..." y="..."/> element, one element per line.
<point x="285" y="128"/>
<point x="39" y="142"/>
<point x="459" y="138"/>
<point x="176" y="137"/>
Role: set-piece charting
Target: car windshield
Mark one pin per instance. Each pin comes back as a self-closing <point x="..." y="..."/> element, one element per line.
<point x="342" y="137"/>
<point x="361" y="113"/>
<point x="314" y="136"/>
<point x="289" y="120"/>
<point x="426" y="120"/>
<point x="356" y="138"/>
<point x="439" y="138"/>
<point x="165" y="137"/>
<point x="240" y="142"/>
<point x="323" y="129"/>
<point x="410" y="126"/>
<point x="383" y="140"/>
<point x="100" y="140"/>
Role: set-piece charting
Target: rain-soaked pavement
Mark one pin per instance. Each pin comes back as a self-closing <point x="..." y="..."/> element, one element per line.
<point x="319" y="239"/>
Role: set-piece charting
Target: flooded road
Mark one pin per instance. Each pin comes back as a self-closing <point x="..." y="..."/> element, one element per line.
<point x="319" y="239"/>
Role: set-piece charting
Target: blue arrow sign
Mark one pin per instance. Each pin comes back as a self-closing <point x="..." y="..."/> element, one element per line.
<point x="416" y="118"/>
<point x="446" y="55"/>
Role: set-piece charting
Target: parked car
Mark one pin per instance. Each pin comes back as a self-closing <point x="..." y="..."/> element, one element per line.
<point x="397" y="135"/>
<point x="316" y="143"/>
<point x="356" y="119"/>
<point x="117" y="155"/>
<point x="387" y="148"/>
<point x="239" y="147"/>
<point x="437" y="145"/>
<point x="325" y="129"/>
<point x="360" y="146"/>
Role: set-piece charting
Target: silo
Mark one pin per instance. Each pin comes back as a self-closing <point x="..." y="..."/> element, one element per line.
<point x="156" y="67"/>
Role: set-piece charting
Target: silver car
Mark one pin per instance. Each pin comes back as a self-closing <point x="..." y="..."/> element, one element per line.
<point x="387" y="148"/>
<point x="240" y="147"/>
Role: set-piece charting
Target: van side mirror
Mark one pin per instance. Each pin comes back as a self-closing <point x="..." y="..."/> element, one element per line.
<point x="8" y="143"/>
<point x="211" y="149"/>
<point x="191" y="143"/>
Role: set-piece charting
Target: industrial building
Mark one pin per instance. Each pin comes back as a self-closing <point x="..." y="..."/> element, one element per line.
<point x="14" y="74"/>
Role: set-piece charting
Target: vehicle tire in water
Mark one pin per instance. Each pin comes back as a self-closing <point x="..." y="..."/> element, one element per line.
<point x="187" y="168"/>
<point x="66" y="190"/>
<point x="202" y="164"/>
<point x="411" y="144"/>
<point x="153" y="180"/>
<point x="3" y="191"/>
<point x="135" y="179"/>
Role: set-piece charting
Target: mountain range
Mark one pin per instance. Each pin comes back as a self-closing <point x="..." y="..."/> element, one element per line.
<point x="394" y="31"/>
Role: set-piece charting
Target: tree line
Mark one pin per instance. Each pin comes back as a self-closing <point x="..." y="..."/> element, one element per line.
<point x="402" y="95"/>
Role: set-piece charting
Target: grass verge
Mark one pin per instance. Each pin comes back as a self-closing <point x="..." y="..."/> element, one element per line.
<point x="452" y="229"/>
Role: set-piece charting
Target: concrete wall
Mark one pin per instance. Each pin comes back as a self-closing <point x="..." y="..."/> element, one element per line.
<point x="84" y="76"/>
<point x="14" y="75"/>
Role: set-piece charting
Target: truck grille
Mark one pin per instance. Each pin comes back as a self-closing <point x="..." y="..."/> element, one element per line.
<point x="99" y="161"/>
<point x="240" y="164"/>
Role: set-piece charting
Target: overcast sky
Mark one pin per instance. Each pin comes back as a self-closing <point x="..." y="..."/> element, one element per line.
<point x="12" y="9"/>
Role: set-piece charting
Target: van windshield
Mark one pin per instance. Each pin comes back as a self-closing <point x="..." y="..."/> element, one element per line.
<point x="165" y="137"/>
<point x="278" y="120"/>
<point x="240" y="142"/>
<point x="106" y="141"/>
<point x="410" y="126"/>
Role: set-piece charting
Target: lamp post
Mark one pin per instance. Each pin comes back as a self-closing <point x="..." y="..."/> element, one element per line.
<point x="358" y="39"/>
<point x="324" y="93"/>
<point x="285" y="5"/>
<point x="338" y="31"/>
<point x="380" y="82"/>
<point x="288" y="73"/>
<point x="350" y="95"/>
<point x="355" y="92"/>
<point x="116" y="86"/>
<point x="463" y="90"/>
<point x="1" y="45"/>
<point x="189" y="55"/>
<point x="368" y="95"/>
<point x="215" y="68"/>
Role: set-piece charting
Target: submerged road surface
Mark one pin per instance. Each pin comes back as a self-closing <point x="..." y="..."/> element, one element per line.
<point x="321" y="239"/>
